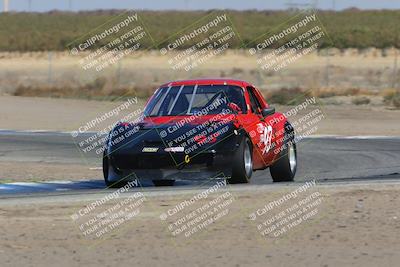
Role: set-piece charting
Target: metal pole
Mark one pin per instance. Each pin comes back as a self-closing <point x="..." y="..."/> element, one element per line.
<point x="50" y="73"/>
<point x="119" y="72"/>
<point x="327" y="67"/>
<point x="394" y="82"/>
<point x="327" y="73"/>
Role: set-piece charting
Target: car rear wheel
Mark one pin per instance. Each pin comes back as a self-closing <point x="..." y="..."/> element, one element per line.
<point x="242" y="168"/>
<point x="163" y="182"/>
<point x="284" y="168"/>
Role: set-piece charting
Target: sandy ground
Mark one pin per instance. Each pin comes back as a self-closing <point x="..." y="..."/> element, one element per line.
<point x="355" y="225"/>
<point x="13" y="171"/>
<point x="29" y="113"/>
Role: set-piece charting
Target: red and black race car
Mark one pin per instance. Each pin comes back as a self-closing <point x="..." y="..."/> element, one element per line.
<point x="202" y="129"/>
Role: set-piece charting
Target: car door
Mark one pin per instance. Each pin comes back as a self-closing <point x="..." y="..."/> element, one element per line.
<point x="253" y="124"/>
<point x="260" y="129"/>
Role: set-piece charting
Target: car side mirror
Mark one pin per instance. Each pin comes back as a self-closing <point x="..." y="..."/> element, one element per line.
<point x="268" y="111"/>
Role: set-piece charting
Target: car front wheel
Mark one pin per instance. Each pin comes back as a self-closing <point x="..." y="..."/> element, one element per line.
<point x="111" y="178"/>
<point x="242" y="168"/>
<point x="284" y="168"/>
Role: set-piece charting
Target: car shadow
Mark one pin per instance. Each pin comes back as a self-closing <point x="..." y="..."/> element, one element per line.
<point x="88" y="185"/>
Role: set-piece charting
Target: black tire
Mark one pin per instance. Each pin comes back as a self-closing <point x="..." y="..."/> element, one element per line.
<point x="283" y="170"/>
<point x="110" y="184"/>
<point x="241" y="170"/>
<point x="105" y="168"/>
<point x="163" y="182"/>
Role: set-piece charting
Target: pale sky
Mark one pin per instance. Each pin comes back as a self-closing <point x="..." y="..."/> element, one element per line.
<point x="76" y="5"/>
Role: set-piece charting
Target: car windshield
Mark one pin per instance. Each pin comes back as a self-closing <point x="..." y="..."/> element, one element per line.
<point x="192" y="99"/>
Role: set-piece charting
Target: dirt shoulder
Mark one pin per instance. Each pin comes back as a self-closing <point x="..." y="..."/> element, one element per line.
<point x="355" y="225"/>
<point x="36" y="113"/>
<point x="15" y="171"/>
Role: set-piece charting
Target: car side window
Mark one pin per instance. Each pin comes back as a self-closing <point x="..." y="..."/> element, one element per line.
<point x="255" y="104"/>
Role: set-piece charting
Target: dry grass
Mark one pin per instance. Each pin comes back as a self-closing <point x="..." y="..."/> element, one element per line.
<point x="296" y="95"/>
<point x="361" y="100"/>
<point x="348" y="69"/>
<point x="100" y="89"/>
<point x="105" y="89"/>
<point x="392" y="97"/>
<point x="330" y="92"/>
<point x="287" y="96"/>
<point x="351" y="74"/>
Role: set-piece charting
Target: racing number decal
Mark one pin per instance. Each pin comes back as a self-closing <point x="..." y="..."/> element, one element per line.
<point x="265" y="132"/>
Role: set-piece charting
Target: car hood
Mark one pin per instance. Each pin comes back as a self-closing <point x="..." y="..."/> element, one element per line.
<point x="193" y="134"/>
<point x="186" y="120"/>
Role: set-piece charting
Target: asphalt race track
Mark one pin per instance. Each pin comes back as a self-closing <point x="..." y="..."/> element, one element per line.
<point x="324" y="158"/>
